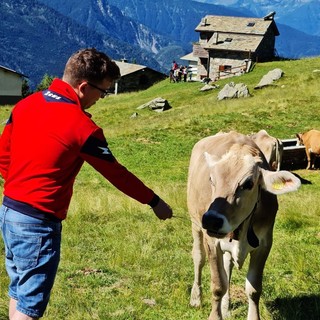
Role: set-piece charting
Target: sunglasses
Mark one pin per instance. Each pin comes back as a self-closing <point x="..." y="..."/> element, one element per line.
<point x="103" y="94"/>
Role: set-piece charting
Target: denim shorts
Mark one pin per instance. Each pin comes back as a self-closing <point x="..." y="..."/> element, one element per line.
<point x="32" y="249"/>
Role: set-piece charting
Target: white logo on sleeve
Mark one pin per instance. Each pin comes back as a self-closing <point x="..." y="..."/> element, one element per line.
<point x="105" y="150"/>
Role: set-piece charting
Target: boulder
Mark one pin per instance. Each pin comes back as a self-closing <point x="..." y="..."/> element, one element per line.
<point x="232" y="90"/>
<point x="208" y="87"/>
<point x="269" y="78"/>
<point x="158" y="104"/>
<point x="134" y="115"/>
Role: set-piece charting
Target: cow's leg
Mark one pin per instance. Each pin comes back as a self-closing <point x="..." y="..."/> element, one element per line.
<point x="309" y="159"/>
<point x="219" y="279"/>
<point x="199" y="257"/>
<point x="312" y="160"/>
<point x="254" y="280"/>
<point x="228" y="266"/>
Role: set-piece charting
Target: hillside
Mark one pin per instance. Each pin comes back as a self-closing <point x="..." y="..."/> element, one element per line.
<point x="195" y="114"/>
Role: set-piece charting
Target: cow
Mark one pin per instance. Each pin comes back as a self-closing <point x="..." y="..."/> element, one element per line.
<point x="232" y="202"/>
<point x="271" y="147"/>
<point x="311" y="141"/>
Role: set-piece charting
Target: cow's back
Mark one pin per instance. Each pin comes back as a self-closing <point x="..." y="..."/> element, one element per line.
<point x="311" y="140"/>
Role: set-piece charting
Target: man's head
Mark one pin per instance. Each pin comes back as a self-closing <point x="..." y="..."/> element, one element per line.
<point x="90" y="73"/>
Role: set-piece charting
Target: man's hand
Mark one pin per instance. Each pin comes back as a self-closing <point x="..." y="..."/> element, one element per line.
<point x="162" y="210"/>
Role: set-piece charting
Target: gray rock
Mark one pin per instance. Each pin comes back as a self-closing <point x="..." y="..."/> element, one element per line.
<point x="232" y="90"/>
<point x="269" y="78"/>
<point x="208" y="87"/>
<point x="158" y="104"/>
<point x="134" y="115"/>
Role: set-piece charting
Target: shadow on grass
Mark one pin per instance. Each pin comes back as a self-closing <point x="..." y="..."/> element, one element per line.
<point x="297" y="308"/>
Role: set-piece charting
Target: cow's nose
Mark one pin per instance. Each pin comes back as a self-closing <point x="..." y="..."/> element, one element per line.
<point x="211" y="222"/>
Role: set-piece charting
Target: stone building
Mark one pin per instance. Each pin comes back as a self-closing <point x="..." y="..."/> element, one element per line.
<point x="229" y="45"/>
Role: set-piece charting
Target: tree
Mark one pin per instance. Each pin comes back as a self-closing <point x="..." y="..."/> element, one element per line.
<point x="25" y="88"/>
<point x="45" y="82"/>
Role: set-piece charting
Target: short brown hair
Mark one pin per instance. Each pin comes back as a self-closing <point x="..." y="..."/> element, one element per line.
<point x="90" y="65"/>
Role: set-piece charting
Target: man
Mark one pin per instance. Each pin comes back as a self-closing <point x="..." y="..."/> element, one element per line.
<point x="43" y="146"/>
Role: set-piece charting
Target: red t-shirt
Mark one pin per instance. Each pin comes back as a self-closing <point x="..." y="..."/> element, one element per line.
<point x="43" y="146"/>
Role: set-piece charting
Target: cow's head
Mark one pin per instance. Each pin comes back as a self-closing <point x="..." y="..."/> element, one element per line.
<point x="236" y="181"/>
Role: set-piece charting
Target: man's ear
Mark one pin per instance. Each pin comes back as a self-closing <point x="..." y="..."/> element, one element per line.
<point x="81" y="88"/>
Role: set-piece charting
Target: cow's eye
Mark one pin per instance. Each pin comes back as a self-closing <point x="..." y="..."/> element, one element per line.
<point x="247" y="185"/>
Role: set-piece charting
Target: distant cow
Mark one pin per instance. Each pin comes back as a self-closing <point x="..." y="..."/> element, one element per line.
<point x="311" y="141"/>
<point x="271" y="147"/>
<point x="232" y="204"/>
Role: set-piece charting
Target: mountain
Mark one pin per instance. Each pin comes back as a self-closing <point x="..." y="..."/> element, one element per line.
<point x="176" y="18"/>
<point x="164" y="28"/>
<point x="37" y="36"/>
<point x="35" y="39"/>
<point x="179" y="19"/>
<point x="305" y="18"/>
<point x="296" y="44"/>
<point x="105" y="18"/>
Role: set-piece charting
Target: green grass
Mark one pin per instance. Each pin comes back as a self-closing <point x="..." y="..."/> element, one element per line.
<point x="120" y="262"/>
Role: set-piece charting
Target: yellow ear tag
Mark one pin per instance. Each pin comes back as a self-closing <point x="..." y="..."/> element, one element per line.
<point x="278" y="185"/>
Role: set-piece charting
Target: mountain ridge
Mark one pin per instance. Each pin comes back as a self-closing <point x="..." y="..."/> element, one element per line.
<point x="36" y="37"/>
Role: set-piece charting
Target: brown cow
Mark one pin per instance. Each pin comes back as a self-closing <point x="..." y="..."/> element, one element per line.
<point x="232" y="204"/>
<point x="271" y="147"/>
<point x="311" y="141"/>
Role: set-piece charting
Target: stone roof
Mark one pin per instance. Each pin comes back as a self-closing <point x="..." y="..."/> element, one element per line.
<point x="127" y="68"/>
<point x="242" y="25"/>
<point x="189" y="57"/>
<point x="235" y="33"/>
<point x="231" y="41"/>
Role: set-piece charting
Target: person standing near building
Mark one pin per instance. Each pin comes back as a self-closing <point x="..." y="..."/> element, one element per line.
<point x="174" y="65"/>
<point x="45" y="142"/>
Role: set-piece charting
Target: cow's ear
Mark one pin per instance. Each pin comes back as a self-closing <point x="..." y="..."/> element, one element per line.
<point x="210" y="159"/>
<point x="279" y="182"/>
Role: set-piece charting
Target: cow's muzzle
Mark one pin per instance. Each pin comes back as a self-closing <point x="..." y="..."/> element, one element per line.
<point x="215" y="224"/>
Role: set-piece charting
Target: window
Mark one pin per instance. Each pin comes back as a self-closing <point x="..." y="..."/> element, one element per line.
<point x="225" y="68"/>
<point x="228" y="40"/>
<point x="251" y="24"/>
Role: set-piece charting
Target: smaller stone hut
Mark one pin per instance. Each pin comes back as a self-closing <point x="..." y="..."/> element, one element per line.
<point x="136" y="77"/>
<point x="10" y="86"/>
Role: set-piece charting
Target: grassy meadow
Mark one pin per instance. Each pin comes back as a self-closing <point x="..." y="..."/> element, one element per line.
<point x="120" y="262"/>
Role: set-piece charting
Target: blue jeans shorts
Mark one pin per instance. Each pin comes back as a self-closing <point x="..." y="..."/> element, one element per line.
<point x="32" y="249"/>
